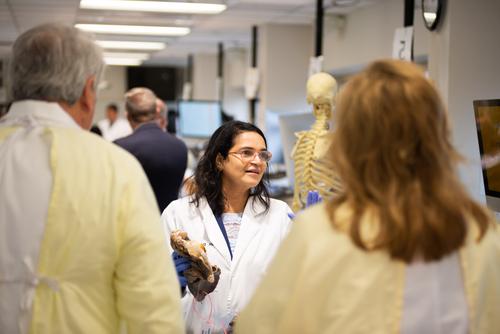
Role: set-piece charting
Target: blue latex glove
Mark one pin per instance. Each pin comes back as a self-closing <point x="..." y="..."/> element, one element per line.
<point x="181" y="264"/>
<point x="313" y="197"/>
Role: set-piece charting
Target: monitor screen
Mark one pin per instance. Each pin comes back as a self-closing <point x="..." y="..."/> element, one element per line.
<point x="487" y="114"/>
<point x="199" y="119"/>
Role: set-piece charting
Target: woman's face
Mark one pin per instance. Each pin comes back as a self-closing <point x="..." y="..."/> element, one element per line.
<point x="242" y="169"/>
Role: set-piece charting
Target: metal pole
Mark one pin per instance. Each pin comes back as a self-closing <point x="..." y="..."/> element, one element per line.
<point x="253" y="102"/>
<point x="220" y="71"/>
<point x="409" y="14"/>
<point x="319" y="28"/>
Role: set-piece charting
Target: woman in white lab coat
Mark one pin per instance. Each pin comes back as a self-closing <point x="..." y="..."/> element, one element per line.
<point x="230" y="212"/>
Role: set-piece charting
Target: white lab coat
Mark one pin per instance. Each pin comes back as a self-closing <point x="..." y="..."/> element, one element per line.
<point x="259" y="237"/>
<point x="119" y="129"/>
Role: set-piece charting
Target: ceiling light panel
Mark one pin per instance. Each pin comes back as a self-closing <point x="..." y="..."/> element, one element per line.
<point x="131" y="45"/>
<point x="133" y="30"/>
<point x="122" y="61"/>
<point x="154" y="6"/>
<point x="127" y="55"/>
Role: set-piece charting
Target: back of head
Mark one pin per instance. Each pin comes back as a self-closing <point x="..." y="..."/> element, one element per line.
<point x="112" y="107"/>
<point x="52" y="62"/>
<point x="140" y="103"/>
<point x="392" y="150"/>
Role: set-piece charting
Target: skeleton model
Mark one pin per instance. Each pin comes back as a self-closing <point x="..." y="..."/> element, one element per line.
<point x="313" y="171"/>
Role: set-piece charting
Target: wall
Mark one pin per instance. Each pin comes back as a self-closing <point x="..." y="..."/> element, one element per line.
<point x="283" y="61"/>
<point x="367" y="34"/>
<point x="204" y="75"/>
<point x="236" y="63"/>
<point x="463" y="60"/>
<point x="114" y="86"/>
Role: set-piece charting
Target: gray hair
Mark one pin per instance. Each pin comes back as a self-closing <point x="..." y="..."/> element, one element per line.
<point x="140" y="103"/>
<point x="52" y="62"/>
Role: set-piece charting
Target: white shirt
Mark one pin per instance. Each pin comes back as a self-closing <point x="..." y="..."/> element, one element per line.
<point x="232" y="224"/>
<point x="25" y="177"/>
<point x="119" y="129"/>
<point x="444" y="308"/>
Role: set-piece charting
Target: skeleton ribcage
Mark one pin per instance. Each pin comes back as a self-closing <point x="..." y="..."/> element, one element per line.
<point x="312" y="173"/>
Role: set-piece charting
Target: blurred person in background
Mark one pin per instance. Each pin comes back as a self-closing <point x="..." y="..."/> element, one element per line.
<point x="403" y="248"/>
<point x="81" y="249"/>
<point x="162" y="155"/>
<point x="113" y="126"/>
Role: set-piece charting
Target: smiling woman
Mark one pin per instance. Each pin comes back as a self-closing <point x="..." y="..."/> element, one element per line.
<point x="230" y="212"/>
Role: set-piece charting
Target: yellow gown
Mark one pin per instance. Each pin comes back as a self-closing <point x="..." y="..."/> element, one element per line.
<point x="103" y="262"/>
<point x="320" y="282"/>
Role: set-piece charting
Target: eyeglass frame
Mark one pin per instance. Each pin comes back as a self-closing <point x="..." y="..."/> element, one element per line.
<point x="255" y="153"/>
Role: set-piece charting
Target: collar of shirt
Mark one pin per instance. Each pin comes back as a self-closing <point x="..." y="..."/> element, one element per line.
<point x="147" y="126"/>
<point x="45" y="113"/>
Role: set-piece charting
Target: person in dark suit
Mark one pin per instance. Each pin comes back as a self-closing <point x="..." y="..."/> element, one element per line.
<point x="162" y="155"/>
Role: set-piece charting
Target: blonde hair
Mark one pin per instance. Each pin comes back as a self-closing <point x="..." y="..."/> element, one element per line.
<point x="393" y="153"/>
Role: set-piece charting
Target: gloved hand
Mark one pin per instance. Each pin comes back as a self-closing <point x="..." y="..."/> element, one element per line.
<point x="313" y="197"/>
<point x="181" y="264"/>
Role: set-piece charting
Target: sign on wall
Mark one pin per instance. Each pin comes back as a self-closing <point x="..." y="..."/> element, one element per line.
<point x="402" y="47"/>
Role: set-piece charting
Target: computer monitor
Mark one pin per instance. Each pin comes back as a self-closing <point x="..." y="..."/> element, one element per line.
<point x="487" y="114"/>
<point x="272" y="132"/>
<point x="198" y="119"/>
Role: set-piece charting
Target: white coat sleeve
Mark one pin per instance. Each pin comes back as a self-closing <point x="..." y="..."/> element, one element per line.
<point x="148" y="297"/>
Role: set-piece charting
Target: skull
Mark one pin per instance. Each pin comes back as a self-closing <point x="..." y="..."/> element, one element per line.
<point x="321" y="89"/>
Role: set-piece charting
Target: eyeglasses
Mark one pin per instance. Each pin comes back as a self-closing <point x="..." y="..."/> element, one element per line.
<point x="249" y="154"/>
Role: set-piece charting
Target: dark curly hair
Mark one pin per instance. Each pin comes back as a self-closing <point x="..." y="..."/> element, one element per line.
<point x="208" y="178"/>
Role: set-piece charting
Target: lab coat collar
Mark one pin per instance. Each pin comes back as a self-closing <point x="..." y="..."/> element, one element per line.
<point x="40" y="112"/>
<point x="213" y="231"/>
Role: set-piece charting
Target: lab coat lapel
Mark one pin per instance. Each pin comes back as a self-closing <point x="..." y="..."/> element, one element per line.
<point x="213" y="231"/>
<point x="250" y="223"/>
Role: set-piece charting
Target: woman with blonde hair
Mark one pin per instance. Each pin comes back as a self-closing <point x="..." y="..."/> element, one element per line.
<point x="404" y="248"/>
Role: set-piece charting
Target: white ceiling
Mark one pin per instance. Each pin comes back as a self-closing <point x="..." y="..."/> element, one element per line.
<point x="232" y="27"/>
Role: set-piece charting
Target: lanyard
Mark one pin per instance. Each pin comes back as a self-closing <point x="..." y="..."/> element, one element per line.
<point x="224" y="233"/>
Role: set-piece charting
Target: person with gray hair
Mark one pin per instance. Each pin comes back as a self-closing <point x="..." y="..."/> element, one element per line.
<point x="161" y="154"/>
<point x="81" y="249"/>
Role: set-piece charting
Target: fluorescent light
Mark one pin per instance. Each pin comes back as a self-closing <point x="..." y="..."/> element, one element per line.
<point x="154" y="6"/>
<point x="122" y="61"/>
<point x="141" y="56"/>
<point x="430" y="17"/>
<point x="131" y="45"/>
<point x="134" y="30"/>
